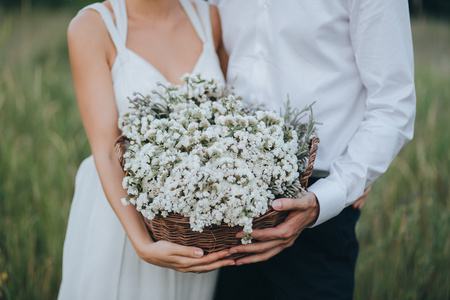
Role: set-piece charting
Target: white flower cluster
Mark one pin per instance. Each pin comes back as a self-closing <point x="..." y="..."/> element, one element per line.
<point x="193" y="151"/>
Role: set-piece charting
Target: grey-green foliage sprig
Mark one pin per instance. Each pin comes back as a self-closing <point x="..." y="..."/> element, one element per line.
<point x="145" y="105"/>
<point x="287" y="189"/>
<point x="293" y="120"/>
<point x="250" y="109"/>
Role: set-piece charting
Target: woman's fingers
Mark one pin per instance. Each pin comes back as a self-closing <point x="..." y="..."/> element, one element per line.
<point x="187" y="251"/>
<point x="195" y="253"/>
<point x="182" y="258"/>
<point x="206" y="260"/>
<point x="209" y="267"/>
<point x="205" y="264"/>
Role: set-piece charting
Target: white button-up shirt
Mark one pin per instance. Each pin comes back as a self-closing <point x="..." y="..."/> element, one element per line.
<point x="352" y="57"/>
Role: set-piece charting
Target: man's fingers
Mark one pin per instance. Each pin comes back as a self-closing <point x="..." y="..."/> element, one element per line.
<point x="259" y="257"/>
<point x="282" y="231"/>
<point x="262" y="234"/>
<point x="286" y="204"/>
<point x="367" y="190"/>
<point x="257" y="247"/>
<point x="358" y="204"/>
<point x="266" y="234"/>
<point x="294" y="204"/>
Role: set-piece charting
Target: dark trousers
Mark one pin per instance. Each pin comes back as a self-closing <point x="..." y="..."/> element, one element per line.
<point x="320" y="265"/>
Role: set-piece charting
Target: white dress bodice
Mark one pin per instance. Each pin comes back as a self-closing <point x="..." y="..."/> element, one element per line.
<point x="131" y="73"/>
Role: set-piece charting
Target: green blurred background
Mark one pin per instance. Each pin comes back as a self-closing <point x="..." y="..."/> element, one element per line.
<point x="404" y="228"/>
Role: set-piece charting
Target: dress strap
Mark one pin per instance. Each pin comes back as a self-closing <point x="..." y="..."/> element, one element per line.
<point x="205" y="18"/>
<point x="195" y="20"/>
<point x="120" y="11"/>
<point x="110" y="26"/>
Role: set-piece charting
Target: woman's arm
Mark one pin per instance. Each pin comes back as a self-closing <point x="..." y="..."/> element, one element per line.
<point x="91" y="56"/>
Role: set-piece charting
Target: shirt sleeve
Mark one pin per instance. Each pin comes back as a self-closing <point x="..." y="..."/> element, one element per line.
<point x="380" y="34"/>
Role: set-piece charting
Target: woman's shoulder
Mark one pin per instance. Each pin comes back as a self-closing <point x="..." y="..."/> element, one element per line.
<point x="88" y="30"/>
<point x="88" y="24"/>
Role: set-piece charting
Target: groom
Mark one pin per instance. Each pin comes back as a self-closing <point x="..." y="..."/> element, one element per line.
<point x="354" y="59"/>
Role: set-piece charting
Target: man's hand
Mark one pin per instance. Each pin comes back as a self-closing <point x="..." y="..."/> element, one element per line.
<point x="358" y="204"/>
<point x="272" y="241"/>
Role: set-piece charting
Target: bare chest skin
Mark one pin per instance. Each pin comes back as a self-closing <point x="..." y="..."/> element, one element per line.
<point x="171" y="46"/>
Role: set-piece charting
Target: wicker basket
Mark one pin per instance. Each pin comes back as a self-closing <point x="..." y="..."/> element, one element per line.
<point x="176" y="228"/>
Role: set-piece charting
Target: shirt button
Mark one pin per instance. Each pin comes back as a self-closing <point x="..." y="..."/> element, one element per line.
<point x="263" y="6"/>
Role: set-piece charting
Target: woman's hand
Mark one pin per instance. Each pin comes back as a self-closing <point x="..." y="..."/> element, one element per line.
<point x="182" y="258"/>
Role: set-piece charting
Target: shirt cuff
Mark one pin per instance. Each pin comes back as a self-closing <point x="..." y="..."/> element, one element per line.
<point x="331" y="198"/>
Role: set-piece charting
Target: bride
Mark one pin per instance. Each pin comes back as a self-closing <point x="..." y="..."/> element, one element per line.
<point x="116" y="48"/>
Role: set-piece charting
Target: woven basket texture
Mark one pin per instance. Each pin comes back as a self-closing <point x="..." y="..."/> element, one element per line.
<point x="176" y="228"/>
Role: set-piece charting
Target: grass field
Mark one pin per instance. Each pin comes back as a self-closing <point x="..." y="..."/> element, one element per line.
<point x="403" y="231"/>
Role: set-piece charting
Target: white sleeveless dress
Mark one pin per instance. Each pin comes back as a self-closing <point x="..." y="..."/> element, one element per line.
<point x="99" y="261"/>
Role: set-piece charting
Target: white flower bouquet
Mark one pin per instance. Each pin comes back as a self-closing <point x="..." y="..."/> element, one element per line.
<point x="198" y="152"/>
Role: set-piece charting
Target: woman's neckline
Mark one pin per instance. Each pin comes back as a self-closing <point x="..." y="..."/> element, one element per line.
<point x="190" y="12"/>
